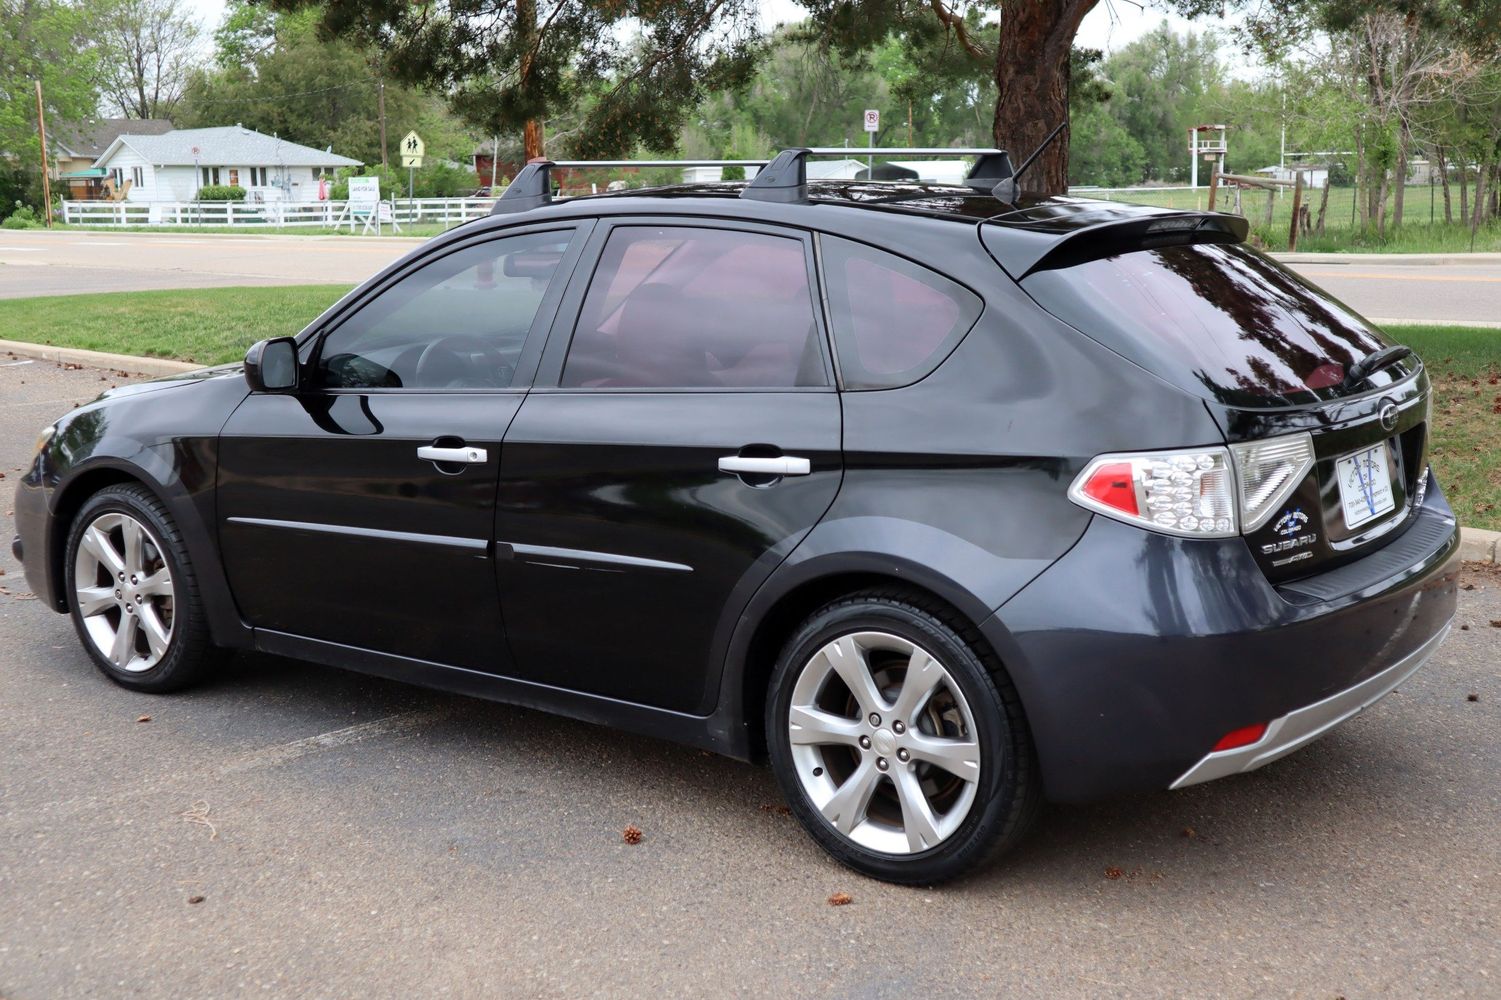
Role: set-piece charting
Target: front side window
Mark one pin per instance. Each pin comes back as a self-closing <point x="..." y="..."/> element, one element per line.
<point x="686" y="308"/>
<point x="457" y="323"/>
<point x="894" y="321"/>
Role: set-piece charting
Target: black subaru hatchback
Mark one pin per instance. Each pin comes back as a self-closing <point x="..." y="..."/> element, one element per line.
<point x="945" y="500"/>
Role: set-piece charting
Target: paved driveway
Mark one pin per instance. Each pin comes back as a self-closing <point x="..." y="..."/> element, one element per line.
<point x="354" y="837"/>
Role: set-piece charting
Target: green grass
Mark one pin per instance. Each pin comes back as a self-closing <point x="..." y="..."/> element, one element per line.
<point x="1341" y="233"/>
<point x="209" y="325"/>
<point x="1465" y="448"/>
<point x="215" y="325"/>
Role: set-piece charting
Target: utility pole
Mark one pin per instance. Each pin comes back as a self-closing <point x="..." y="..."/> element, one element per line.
<point x="381" y="99"/>
<point x="41" y="124"/>
<point x="494" y="155"/>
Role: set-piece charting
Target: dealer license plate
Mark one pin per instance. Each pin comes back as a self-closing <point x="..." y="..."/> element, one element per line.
<point x="1365" y="485"/>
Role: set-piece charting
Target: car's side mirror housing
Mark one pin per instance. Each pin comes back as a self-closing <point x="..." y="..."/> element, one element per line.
<point x="271" y="365"/>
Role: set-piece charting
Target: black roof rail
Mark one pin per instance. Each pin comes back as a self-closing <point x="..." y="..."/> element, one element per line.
<point x="531" y="189"/>
<point x="784" y="179"/>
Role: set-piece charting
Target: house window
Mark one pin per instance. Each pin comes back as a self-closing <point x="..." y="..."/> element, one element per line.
<point x="258" y="176"/>
<point x="138" y="175"/>
<point x="117" y="174"/>
<point x="210" y="175"/>
<point x="234" y="176"/>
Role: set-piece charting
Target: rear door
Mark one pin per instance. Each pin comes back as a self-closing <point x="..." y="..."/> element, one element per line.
<point x="682" y="437"/>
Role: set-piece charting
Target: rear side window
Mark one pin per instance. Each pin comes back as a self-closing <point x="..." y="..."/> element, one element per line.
<point x="689" y="308"/>
<point x="894" y="322"/>
<point x="1220" y="320"/>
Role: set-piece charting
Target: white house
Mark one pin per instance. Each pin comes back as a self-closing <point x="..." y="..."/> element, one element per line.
<point x="1313" y="177"/>
<point x="174" y="165"/>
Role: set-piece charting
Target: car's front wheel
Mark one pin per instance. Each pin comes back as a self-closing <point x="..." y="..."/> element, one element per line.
<point x="132" y="593"/>
<point x="900" y="748"/>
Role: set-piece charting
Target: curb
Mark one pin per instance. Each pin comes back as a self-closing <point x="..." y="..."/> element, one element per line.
<point x="98" y="359"/>
<point x="1479" y="545"/>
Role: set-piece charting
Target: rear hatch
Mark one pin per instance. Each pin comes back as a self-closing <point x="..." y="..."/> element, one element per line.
<point x="1271" y="356"/>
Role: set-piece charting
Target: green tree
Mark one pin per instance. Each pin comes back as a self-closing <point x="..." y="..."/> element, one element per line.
<point x="276" y="75"/>
<point x="46" y="41"/>
<point x="506" y="67"/>
<point x="147" y="50"/>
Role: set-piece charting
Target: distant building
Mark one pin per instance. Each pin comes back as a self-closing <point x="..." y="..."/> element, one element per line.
<point x="173" y="166"/>
<point x="74" y="147"/>
<point x="1313" y="177"/>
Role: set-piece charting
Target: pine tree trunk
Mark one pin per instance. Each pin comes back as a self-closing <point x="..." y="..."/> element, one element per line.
<point x="1032" y="84"/>
<point x="1464" y="191"/>
<point x="1323" y="205"/>
<point x="1404" y="141"/>
<point x="526" y="23"/>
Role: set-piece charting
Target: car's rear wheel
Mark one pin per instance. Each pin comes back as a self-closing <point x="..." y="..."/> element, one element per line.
<point x="132" y="593"/>
<point x="897" y="744"/>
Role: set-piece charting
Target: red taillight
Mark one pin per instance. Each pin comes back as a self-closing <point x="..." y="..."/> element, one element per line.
<point x="1243" y="737"/>
<point x="1111" y="484"/>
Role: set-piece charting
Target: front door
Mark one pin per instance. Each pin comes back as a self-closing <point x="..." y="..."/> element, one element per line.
<point x="684" y="435"/>
<point x="359" y="509"/>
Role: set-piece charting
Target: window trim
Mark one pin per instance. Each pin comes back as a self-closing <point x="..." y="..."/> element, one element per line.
<point x="310" y="341"/>
<point x="565" y="324"/>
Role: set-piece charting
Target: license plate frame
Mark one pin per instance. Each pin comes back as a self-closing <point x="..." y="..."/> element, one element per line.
<point x="1365" y="485"/>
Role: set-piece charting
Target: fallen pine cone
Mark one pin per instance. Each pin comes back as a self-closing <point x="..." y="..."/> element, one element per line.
<point x="841" y="899"/>
<point x="194" y="900"/>
<point x="631" y="834"/>
<point x="1472" y="697"/>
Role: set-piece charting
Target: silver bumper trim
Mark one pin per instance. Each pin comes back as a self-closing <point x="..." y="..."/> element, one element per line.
<point x="1299" y="728"/>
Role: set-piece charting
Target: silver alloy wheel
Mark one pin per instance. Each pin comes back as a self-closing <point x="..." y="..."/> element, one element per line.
<point x="124" y="592"/>
<point x="884" y="743"/>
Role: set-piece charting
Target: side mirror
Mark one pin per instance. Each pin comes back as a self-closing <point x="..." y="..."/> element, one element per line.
<point x="271" y="365"/>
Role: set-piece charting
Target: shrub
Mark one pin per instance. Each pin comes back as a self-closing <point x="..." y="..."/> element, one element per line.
<point x="221" y="192"/>
<point x="24" y="217"/>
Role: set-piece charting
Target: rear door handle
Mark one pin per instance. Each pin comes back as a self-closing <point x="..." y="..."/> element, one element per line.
<point x="458" y="456"/>
<point x="782" y="465"/>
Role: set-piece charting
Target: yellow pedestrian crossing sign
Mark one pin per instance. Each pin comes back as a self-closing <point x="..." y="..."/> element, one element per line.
<point x="411" y="150"/>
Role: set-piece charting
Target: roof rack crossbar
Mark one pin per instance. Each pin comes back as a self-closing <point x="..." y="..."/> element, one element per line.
<point x="782" y="179"/>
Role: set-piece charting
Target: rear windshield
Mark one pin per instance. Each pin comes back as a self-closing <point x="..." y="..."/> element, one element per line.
<point x="1221" y="320"/>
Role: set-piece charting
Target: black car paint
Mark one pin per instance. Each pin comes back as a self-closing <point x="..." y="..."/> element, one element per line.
<point x="1081" y="609"/>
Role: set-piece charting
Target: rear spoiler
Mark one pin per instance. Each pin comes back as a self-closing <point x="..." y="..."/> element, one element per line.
<point x="1023" y="245"/>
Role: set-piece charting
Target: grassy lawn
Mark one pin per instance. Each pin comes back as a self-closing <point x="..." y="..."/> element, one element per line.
<point x="211" y="326"/>
<point x="1465" y="365"/>
<point x="1341" y="229"/>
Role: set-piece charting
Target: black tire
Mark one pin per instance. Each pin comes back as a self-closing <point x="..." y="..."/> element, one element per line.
<point x="1008" y="793"/>
<point x="189" y="651"/>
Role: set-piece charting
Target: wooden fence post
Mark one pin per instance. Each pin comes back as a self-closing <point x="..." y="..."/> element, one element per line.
<point x="1292" y="231"/>
<point x="1214" y="186"/>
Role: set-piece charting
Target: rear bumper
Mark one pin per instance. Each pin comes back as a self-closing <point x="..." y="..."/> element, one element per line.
<point x="1135" y="653"/>
<point x="1301" y="727"/>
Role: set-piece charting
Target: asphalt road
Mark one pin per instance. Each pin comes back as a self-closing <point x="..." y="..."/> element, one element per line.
<point x="355" y="837"/>
<point x="34" y="262"/>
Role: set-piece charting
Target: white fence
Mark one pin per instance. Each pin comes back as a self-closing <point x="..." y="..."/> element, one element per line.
<point x="276" y="215"/>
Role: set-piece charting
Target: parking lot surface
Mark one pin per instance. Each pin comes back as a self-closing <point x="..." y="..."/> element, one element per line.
<point x="346" y="836"/>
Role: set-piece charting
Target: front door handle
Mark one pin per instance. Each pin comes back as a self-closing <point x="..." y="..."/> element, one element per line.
<point x="782" y="465"/>
<point x="457" y="456"/>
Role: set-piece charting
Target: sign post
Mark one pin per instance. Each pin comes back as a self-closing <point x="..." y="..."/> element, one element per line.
<point x="412" y="149"/>
<point x="872" y="126"/>
<point x="364" y="202"/>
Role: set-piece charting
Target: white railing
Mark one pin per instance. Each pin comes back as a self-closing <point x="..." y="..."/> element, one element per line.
<point x="277" y="215"/>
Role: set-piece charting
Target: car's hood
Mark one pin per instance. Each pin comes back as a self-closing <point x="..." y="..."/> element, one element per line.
<point x="234" y="369"/>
